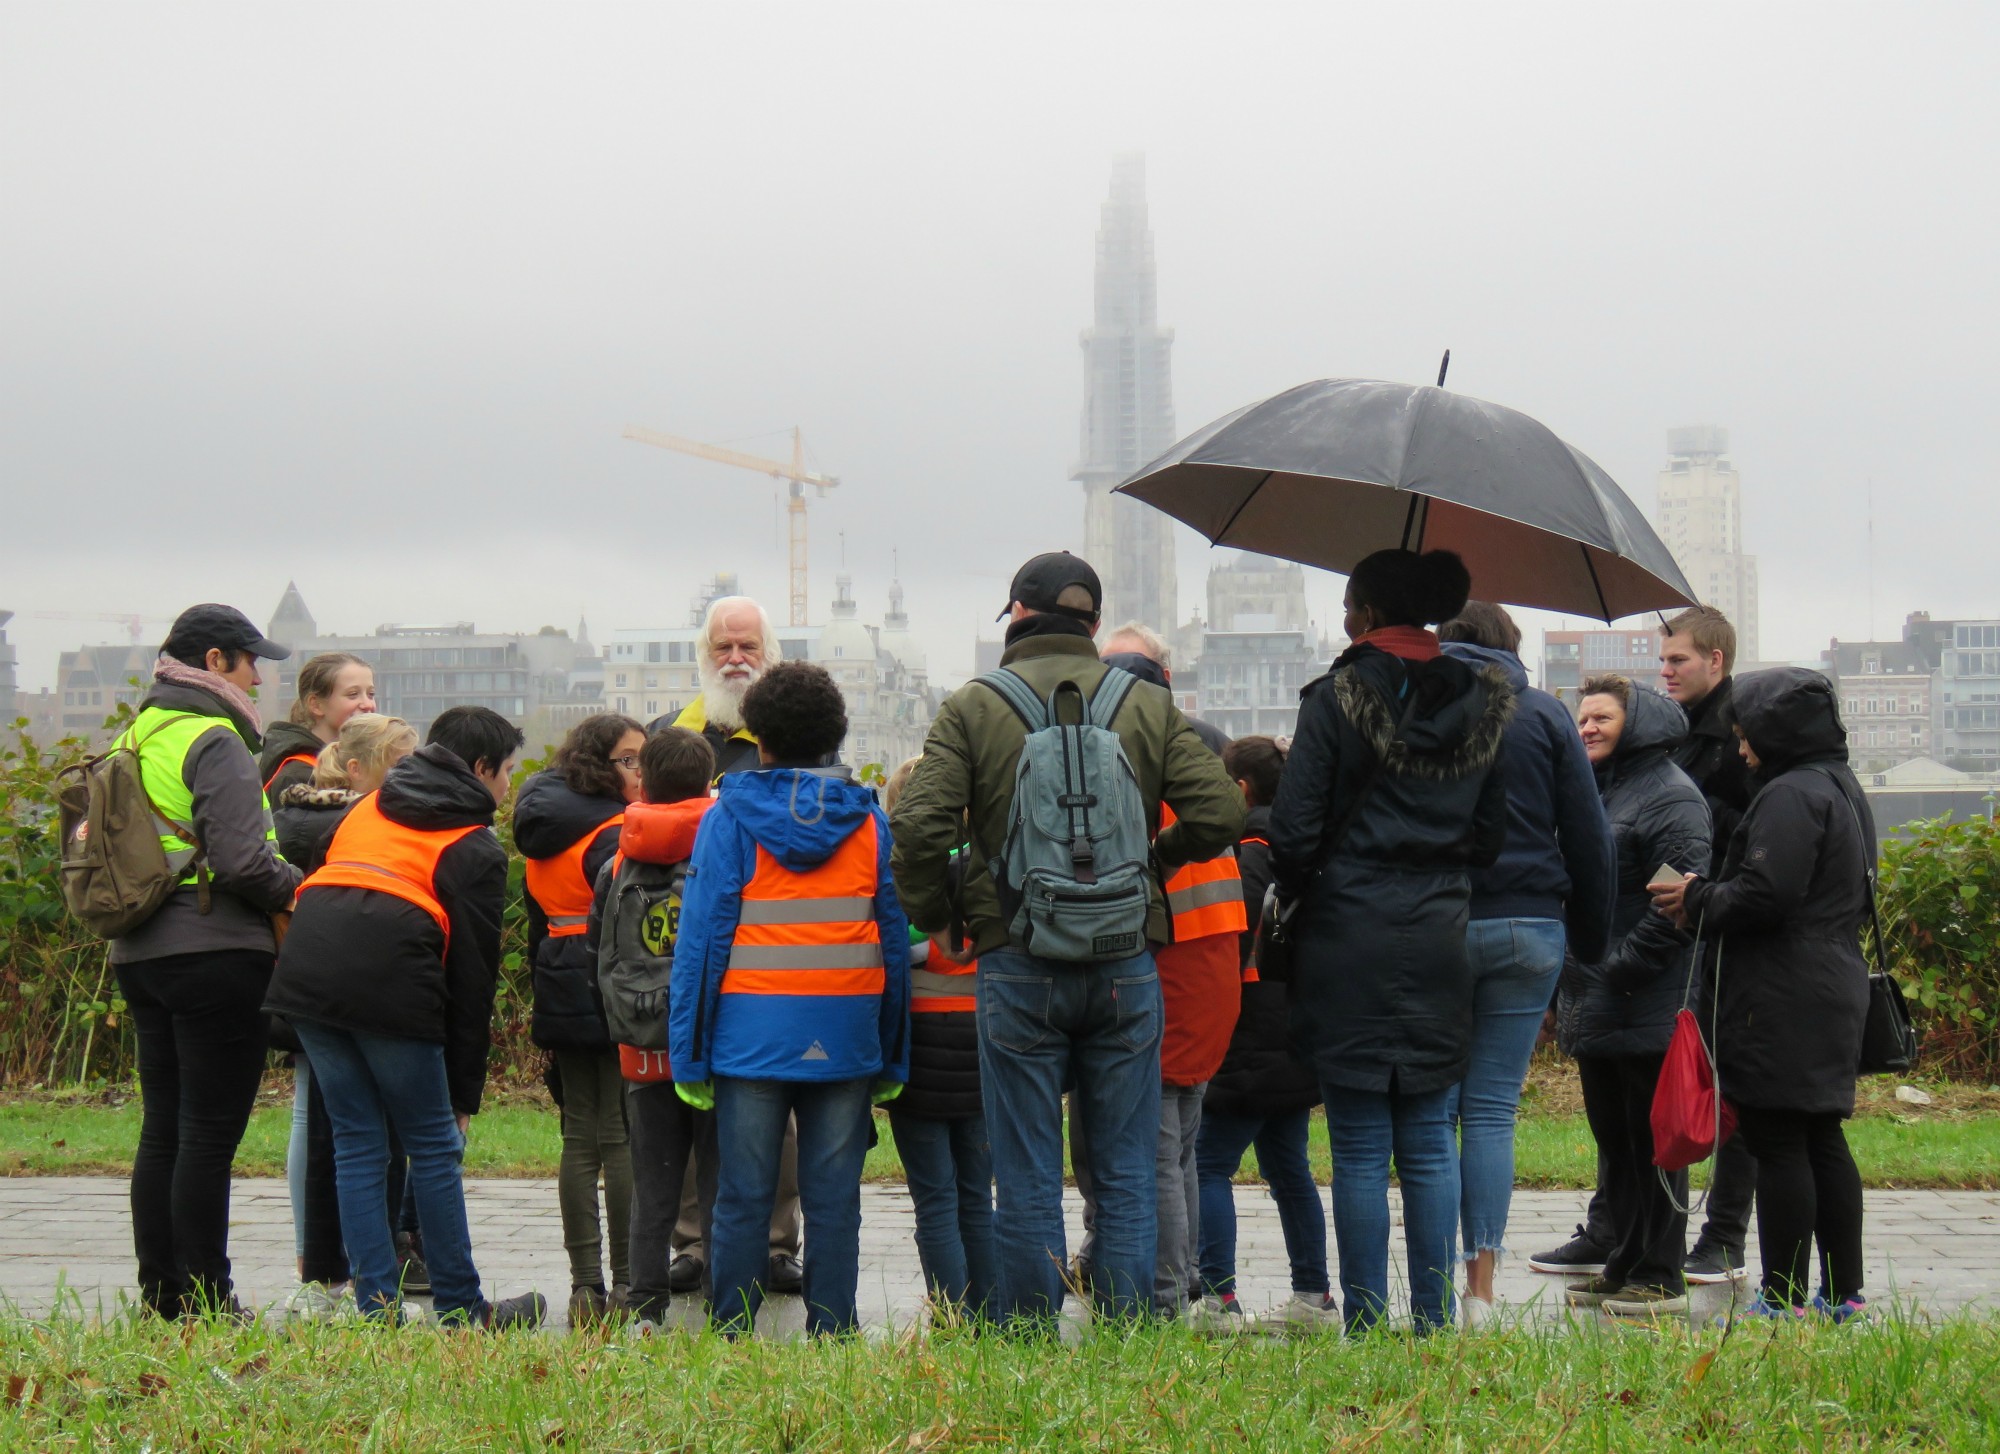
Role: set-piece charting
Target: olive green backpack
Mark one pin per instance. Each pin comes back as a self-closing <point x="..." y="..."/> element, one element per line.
<point x="115" y="874"/>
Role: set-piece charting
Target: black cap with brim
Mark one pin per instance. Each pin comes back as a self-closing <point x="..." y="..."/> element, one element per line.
<point x="198" y="628"/>
<point x="1040" y="583"/>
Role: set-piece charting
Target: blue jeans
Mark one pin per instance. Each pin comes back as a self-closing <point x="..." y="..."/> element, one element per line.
<point x="1366" y="1128"/>
<point x="1515" y="965"/>
<point x="1044" y="1024"/>
<point x="950" y="1171"/>
<point x="370" y="1082"/>
<point x="1281" y="1157"/>
<point x="750" y="1118"/>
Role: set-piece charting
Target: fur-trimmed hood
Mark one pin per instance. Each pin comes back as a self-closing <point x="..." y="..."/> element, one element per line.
<point x="1455" y="728"/>
<point x="305" y="795"/>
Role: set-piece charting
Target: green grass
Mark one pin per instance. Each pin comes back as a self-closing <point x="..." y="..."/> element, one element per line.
<point x="520" y="1138"/>
<point x="69" y="1385"/>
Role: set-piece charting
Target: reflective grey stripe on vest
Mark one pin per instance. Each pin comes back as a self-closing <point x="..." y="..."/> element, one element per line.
<point x="929" y="984"/>
<point x="1200" y="896"/>
<point x="567" y="921"/>
<point x="805" y="956"/>
<point x="807" y="911"/>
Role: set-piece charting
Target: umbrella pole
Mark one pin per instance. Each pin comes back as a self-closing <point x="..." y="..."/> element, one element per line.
<point x="1444" y="366"/>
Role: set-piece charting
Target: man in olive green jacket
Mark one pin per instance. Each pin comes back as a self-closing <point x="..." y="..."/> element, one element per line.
<point x="1045" y="1025"/>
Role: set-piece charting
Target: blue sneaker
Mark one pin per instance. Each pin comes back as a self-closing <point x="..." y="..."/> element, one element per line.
<point x="1762" y="1309"/>
<point x="1846" y="1310"/>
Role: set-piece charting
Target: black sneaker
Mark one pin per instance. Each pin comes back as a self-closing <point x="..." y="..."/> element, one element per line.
<point x="1579" y="1257"/>
<point x="787" y="1274"/>
<point x="411" y="1273"/>
<point x="1711" y="1262"/>
<point x="524" y="1311"/>
<point x="1593" y="1292"/>
<point x="685" y="1273"/>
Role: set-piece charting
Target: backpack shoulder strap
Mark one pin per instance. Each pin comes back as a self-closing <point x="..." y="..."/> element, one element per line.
<point x="1112" y="689"/>
<point x="1017" y="694"/>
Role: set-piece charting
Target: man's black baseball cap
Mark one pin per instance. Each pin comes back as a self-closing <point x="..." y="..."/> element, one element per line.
<point x="199" y="627"/>
<point x="1039" y="583"/>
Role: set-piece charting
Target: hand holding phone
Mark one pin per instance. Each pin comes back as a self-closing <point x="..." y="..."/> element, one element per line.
<point x="1665" y="877"/>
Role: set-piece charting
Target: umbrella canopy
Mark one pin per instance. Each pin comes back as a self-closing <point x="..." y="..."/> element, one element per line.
<point x="1331" y="471"/>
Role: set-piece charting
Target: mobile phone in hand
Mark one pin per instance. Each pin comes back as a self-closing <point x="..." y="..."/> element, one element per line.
<point x="1665" y="877"/>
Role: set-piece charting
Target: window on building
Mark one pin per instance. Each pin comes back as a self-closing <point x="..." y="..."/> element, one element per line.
<point x="619" y="683"/>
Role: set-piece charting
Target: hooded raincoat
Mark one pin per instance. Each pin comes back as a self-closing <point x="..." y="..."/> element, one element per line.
<point x="1382" y="989"/>
<point x="1625" y="1003"/>
<point x="1783" y="917"/>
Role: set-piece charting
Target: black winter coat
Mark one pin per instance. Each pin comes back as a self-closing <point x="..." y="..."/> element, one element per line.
<point x="1784" y="916"/>
<point x="1382" y="989"/>
<point x="306" y="817"/>
<point x="368" y="961"/>
<point x="1626" y="1004"/>
<point x="1709" y="756"/>
<point x="283" y="740"/>
<point x="549" y="818"/>
<point x="944" y="1066"/>
<point x="1261" y="1076"/>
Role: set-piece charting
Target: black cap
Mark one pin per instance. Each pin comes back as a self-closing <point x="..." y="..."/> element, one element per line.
<point x="1039" y="583"/>
<point x="199" y="627"/>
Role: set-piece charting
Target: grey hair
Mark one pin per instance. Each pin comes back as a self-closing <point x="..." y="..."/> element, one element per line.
<point x="1151" y="644"/>
<point x="773" y="652"/>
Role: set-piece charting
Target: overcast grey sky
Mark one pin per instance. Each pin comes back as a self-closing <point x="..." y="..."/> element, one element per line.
<point x="365" y="295"/>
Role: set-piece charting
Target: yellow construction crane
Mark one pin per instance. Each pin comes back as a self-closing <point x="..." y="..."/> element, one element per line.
<point x="795" y="474"/>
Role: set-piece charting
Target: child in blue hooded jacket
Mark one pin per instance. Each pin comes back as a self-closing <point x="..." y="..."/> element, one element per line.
<point x="790" y="994"/>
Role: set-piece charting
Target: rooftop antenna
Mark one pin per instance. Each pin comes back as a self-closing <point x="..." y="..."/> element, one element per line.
<point x="843" y="550"/>
<point x="1444" y="366"/>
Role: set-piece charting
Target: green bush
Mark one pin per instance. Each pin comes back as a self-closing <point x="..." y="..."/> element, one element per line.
<point x="61" y="1019"/>
<point x="1940" y="898"/>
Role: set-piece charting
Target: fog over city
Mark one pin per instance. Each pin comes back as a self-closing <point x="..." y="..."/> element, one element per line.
<point x="365" y="298"/>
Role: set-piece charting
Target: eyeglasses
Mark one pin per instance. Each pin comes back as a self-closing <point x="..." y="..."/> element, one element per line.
<point x="630" y="762"/>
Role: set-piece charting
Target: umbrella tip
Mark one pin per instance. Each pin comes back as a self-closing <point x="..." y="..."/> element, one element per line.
<point x="1444" y="366"/>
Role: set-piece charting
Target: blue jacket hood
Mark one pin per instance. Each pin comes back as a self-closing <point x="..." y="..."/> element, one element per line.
<point x="1475" y="655"/>
<point x="799" y="815"/>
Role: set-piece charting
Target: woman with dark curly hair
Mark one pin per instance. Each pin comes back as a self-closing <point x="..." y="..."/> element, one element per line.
<point x="566" y="823"/>
<point x="1389" y="797"/>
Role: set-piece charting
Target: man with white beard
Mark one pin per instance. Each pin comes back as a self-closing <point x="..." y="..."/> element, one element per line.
<point x="739" y="647"/>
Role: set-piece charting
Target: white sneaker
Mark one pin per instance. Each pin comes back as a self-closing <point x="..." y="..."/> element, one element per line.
<point x="315" y="1302"/>
<point x="1308" y="1312"/>
<point x="1217" y="1317"/>
<point x="1475" y="1313"/>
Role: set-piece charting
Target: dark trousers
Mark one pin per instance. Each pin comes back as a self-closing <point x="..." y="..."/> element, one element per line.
<point x="666" y="1134"/>
<point x="1649" y="1232"/>
<point x="325" y="1258"/>
<point x="1807" y="1187"/>
<point x="199" y="1021"/>
<point x="1731" y="1191"/>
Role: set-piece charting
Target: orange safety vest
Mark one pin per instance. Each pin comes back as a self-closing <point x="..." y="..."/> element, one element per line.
<point x="810" y="933"/>
<point x="369" y="851"/>
<point x="560" y="887"/>
<point x="284" y="762"/>
<point x="1207" y="897"/>
<point x="1250" y="975"/>
<point x="938" y="986"/>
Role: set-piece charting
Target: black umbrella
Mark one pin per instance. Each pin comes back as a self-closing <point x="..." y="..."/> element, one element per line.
<point x="1331" y="471"/>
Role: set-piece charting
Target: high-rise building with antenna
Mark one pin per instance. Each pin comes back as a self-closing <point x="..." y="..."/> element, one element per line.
<point x="1128" y="411"/>
<point x="1701" y="521"/>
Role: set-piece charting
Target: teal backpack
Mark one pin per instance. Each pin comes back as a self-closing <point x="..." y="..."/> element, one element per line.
<point x="1074" y="873"/>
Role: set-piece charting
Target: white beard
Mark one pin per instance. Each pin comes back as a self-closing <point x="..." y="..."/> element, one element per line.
<point x="722" y="696"/>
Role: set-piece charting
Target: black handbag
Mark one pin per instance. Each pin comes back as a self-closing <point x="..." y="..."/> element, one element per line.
<point x="1888" y="1037"/>
<point x="1272" y="953"/>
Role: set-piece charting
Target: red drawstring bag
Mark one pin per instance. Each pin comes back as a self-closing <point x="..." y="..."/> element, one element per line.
<point x="1690" y="1119"/>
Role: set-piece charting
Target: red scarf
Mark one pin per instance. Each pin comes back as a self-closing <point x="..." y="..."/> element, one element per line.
<point x="1411" y="643"/>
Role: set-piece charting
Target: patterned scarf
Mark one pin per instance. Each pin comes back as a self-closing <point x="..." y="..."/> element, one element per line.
<point x="180" y="674"/>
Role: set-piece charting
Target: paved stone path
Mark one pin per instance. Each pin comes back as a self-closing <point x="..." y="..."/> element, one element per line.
<point x="1937" y="1251"/>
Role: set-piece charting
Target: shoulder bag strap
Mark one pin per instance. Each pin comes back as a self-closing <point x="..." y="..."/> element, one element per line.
<point x="1867" y="868"/>
<point x="1017" y="694"/>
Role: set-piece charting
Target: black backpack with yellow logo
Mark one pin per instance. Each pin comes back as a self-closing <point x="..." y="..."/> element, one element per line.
<point x="635" y="949"/>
